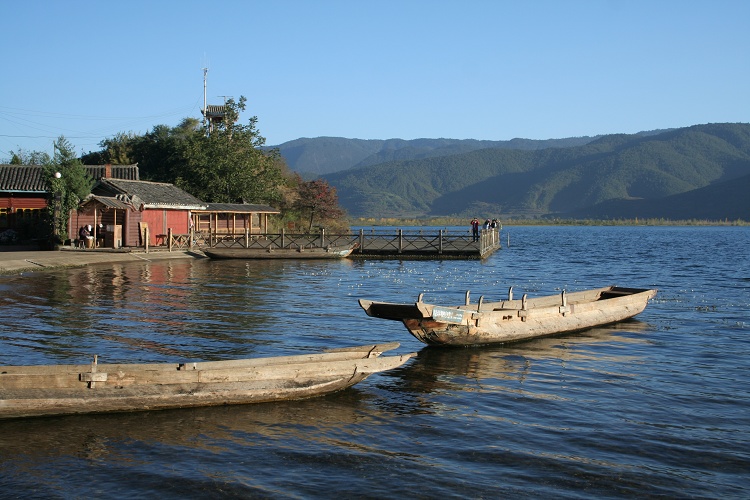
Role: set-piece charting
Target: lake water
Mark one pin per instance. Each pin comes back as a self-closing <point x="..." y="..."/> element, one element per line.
<point x="658" y="406"/>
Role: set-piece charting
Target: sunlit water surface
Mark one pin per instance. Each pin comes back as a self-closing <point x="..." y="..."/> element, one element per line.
<point x="653" y="407"/>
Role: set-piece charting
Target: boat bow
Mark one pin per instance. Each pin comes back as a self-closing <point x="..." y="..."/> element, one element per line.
<point x="396" y="312"/>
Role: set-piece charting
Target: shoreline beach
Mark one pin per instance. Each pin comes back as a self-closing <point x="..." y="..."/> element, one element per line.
<point x="19" y="262"/>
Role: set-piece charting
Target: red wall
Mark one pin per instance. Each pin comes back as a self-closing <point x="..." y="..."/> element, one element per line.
<point x="23" y="201"/>
<point x="160" y="220"/>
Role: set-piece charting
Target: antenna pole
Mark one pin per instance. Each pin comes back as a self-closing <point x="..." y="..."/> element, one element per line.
<point x="205" y="74"/>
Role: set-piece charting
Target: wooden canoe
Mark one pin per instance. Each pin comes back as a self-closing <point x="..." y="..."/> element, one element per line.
<point x="513" y="320"/>
<point x="65" y="389"/>
<point x="330" y="252"/>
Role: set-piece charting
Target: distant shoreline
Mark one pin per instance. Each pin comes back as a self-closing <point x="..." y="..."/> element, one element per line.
<point x="461" y="221"/>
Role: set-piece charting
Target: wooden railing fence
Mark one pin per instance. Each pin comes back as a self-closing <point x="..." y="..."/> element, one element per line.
<point x="371" y="242"/>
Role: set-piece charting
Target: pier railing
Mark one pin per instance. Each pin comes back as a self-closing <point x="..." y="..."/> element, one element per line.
<point x="423" y="243"/>
<point x="272" y="240"/>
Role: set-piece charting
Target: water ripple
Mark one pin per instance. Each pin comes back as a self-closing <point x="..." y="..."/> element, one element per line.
<point x="653" y="407"/>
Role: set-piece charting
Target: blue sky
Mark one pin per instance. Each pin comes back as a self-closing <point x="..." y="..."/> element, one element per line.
<point x="469" y="69"/>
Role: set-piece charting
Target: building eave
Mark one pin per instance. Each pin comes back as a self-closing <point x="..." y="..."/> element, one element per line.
<point x="168" y="206"/>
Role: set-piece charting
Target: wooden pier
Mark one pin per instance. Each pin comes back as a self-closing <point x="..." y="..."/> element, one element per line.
<point x="425" y="244"/>
<point x="412" y="244"/>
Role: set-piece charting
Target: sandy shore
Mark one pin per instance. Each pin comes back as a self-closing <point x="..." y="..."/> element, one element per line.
<point x="25" y="261"/>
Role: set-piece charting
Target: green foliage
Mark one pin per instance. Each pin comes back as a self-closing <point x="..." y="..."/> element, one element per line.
<point x="229" y="166"/>
<point x="161" y="153"/>
<point x="158" y="153"/>
<point x="22" y="157"/>
<point x="118" y="149"/>
<point x="68" y="183"/>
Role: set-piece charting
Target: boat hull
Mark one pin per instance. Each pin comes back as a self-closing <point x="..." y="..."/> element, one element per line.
<point x="513" y="320"/>
<point x="27" y="391"/>
<point x="279" y="253"/>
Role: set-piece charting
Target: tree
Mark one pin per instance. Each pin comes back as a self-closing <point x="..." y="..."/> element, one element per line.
<point x="317" y="200"/>
<point x="68" y="183"/>
<point x="158" y="153"/>
<point x="22" y="157"/>
<point x="229" y="166"/>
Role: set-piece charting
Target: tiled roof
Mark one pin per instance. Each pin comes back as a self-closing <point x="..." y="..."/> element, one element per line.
<point x="214" y="111"/>
<point x="30" y="178"/>
<point x="109" y="201"/>
<point x="127" y="172"/>
<point x="22" y="179"/>
<point x="149" y="194"/>
<point x="239" y="208"/>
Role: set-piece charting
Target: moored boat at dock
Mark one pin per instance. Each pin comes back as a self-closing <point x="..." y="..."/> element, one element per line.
<point x="293" y="252"/>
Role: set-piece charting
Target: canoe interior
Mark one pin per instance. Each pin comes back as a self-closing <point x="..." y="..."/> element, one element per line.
<point x="417" y="310"/>
<point x="342" y="354"/>
<point x="584" y="296"/>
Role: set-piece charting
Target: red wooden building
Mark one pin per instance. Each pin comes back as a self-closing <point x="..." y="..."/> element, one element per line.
<point x="24" y="196"/>
<point x="123" y="209"/>
<point x="121" y="206"/>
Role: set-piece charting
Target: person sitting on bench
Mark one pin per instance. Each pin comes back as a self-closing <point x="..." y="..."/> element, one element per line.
<point x="84" y="236"/>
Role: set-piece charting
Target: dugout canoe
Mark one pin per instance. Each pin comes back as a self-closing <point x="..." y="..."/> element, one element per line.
<point x="329" y="252"/>
<point x="512" y="320"/>
<point x="27" y="391"/>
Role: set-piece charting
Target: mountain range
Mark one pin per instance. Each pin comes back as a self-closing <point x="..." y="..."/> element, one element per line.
<point x="325" y="155"/>
<point x="697" y="172"/>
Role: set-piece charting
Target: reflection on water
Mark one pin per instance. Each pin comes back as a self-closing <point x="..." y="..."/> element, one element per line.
<point x="655" y="406"/>
<point x="507" y="368"/>
<point x="200" y="429"/>
<point x="154" y="311"/>
<point x="331" y="421"/>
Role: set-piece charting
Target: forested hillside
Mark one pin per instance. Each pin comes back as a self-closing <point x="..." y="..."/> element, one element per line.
<point x="722" y="201"/>
<point x="324" y="155"/>
<point x="559" y="181"/>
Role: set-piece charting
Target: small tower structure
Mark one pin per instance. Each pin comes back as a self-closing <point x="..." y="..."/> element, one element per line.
<point x="212" y="113"/>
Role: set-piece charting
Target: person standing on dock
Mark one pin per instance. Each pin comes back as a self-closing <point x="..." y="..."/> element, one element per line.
<point x="475" y="229"/>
